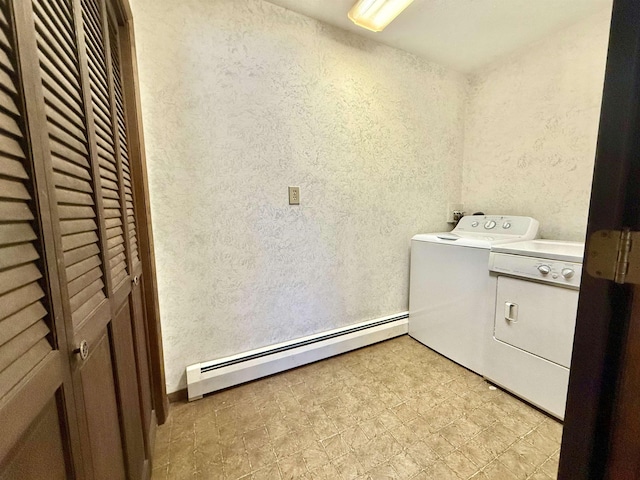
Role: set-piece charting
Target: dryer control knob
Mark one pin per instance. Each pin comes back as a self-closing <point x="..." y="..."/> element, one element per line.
<point x="506" y="225"/>
<point x="544" y="269"/>
<point x="475" y="224"/>
<point x="568" y="273"/>
<point x="490" y="224"/>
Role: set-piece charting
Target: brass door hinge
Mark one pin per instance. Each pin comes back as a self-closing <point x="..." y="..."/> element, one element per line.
<point x="614" y="255"/>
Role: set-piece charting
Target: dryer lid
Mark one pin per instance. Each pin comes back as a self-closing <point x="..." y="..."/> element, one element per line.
<point x="560" y="250"/>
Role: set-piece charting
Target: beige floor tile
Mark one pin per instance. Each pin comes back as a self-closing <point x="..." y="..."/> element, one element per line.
<point x="214" y="471"/>
<point x="498" y="471"/>
<point x="315" y="456"/>
<point x="551" y="430"/>
<point x="182" y="467"/>
<point x="256" y="438"/>
<point x="543" y="444"/>
<point x="160" y="473"/>
<point x="405" y="412"/>
<point x="372" y="428"/>
<point x="335" y="447"/>
<point x="529" y="454"/>
<point x="354" y="437"/>
<point x="405" y="465"/>
<point x="389" y="419"/>
<point x="285" y="445"/>
<point x="326" y="472"/>
<point x="550" y="467"/>
<point x="441" y="471"/>
<point x="292" y="467"/>
<point x="516" y="464"/>
<point x="261" y="456"/>
<point x="236" y="466"/>
<point x="475" y="452"/>
<point x="460" y="464"/>
<point x="382" y="472"/>
<point x="540" y="475"/>
<point x="395" y="409"/>
<point x="404" y="435"/>
<point x="422" y="453"/>
<point x="348" y="467"/>
<point x="161" y="454"/>
<point x="439" y="444"/>
<point x="270" y="472"/>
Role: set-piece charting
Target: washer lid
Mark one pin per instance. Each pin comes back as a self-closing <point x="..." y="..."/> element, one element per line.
<point x="473" y="240"/>
<point x="548" y="249"/>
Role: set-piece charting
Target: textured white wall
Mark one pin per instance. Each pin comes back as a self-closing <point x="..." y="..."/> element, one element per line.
<point x="240" y="99"/>
<point x="531" y="129"/>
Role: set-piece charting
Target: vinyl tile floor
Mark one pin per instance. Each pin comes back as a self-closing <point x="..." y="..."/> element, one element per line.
<point x="394" y="410"/>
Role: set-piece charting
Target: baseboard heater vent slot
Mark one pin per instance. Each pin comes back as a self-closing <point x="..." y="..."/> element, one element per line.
<point x="207" y="377"/>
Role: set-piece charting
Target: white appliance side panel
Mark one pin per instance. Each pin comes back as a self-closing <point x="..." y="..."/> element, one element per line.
<point x="532" y="378"/>
<point x="543" y="318"/>
<point x="451" y="301"/>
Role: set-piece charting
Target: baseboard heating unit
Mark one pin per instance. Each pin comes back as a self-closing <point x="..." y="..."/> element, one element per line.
<point x="207" y="377"/>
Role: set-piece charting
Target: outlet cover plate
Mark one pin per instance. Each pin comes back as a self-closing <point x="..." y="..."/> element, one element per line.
<point x="451" y="207"/>
<point x="294" y="195"/>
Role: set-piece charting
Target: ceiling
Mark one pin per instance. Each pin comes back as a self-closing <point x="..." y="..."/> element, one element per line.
<point x="461" y="34"/>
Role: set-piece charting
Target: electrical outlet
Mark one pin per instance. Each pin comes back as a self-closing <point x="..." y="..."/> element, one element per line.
<point x="453" y="207"/>
<point x="294" y="195"/>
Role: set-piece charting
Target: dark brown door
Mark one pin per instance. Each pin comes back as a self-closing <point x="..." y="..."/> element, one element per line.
<point x="69" y="261"/>
<point x="36" y="394"/>
<point x="602" y="423"/>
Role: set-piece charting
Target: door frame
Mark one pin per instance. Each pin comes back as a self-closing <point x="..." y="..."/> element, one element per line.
<point x="594" y="401"/>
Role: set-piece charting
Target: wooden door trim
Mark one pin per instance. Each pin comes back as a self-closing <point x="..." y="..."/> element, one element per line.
<point x="604" y="307"/>
<point x="133" y="112"/>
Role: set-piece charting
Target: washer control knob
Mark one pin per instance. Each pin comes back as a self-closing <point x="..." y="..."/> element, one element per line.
<point x="490" y="224"/>
<point x="474" y="224"/>
<point x="568" y="273"/>
<point x="506" y="225"/>
<point x="544" y="269"/>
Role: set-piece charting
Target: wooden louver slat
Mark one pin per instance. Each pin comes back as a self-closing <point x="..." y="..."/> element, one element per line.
<point x="68" y="144"/>
<point x="122" y="137"/>
<point x="23" y="317"/>
<point x="101" y="106"/>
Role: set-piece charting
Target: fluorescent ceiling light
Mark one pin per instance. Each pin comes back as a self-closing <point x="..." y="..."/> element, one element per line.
<point x="374" y="15"/>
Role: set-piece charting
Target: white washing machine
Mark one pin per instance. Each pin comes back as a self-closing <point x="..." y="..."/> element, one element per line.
<point x="451" y="293"/>
<point x="529" y="350"/>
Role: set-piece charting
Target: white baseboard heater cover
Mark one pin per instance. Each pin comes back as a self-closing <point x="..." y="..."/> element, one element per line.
<point x="207" y="377"/>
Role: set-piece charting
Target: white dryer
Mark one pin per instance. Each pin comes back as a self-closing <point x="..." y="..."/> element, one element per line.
<point x="451" y="296"/>
<point x="529" y="349"/>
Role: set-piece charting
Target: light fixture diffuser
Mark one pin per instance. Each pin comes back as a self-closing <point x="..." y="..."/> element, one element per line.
<point x="375" y="15"/>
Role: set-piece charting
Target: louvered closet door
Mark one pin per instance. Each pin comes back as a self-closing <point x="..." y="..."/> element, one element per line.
<point x="33" y="383"/>
<point x="130" y="230"/>
<point x="123" y="262"/>
<point x="82" y="238"/>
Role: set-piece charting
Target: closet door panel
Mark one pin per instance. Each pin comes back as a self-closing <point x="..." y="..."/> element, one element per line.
<point x="137" y="313"/>
<point x="68" y="144"/>
<point x="104" y="438"/>
<point x="33" y="443"/>
<point x="103" y="117"/>
<point x="82" y="240"/>
<point x="41" y="452"/>
<point x="95" y="38"/>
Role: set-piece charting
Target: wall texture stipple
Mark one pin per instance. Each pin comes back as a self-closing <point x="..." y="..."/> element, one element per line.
<point x="241" y="99"/>
<point x="531" y="127"/>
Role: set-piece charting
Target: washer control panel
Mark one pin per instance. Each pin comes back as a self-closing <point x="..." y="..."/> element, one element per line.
<point x="498" y="225"/>
<point x="548" y="271"/>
